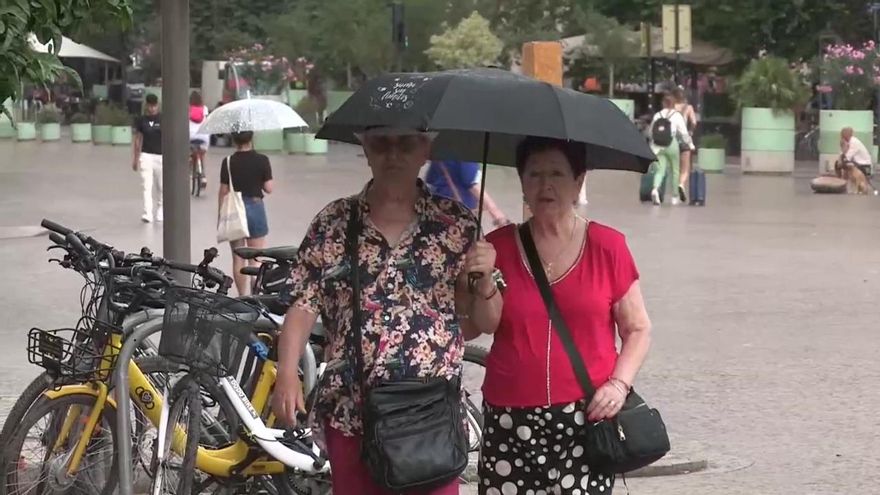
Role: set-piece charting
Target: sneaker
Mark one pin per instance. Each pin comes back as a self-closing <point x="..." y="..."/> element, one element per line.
<point x="675" y="201"/>
<point x="204" y="182"/>
<point x="681" y="194"/>
<point x="146" y="218"/>
<point x="159" y="215"/>
<point x="655" y="197"/>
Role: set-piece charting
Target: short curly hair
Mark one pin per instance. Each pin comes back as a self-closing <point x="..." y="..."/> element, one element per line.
<point x="574" y="152"/>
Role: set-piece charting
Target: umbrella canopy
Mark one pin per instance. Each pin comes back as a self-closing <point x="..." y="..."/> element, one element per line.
<point x="251" y="114"/>
<point x="70" y="49"/>
<point x="482" y="114"/>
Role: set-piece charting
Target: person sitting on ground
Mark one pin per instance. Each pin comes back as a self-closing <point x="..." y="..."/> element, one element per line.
<point x="853" y="152"/>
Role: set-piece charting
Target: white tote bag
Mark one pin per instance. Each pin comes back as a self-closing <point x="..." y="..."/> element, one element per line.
<point x="232" y="223"/>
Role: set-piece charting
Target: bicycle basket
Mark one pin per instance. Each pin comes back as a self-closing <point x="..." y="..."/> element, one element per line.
<point x="207" y="332"/>
<point x="73" y="355"/>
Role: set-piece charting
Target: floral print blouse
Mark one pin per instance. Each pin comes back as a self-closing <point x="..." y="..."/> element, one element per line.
<point x="410" y="327"/>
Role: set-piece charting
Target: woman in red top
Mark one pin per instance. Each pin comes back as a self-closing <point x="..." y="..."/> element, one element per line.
<point x="535" y="409"/>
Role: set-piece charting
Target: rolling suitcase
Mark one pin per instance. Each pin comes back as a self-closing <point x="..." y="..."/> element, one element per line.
<point x="648" y="183"/>
<point x="697" y="193"/>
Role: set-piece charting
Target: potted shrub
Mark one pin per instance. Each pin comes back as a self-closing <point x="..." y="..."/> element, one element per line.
<point x="121" y="122"/>
<point x="103" y="129"/>
<point x="80" y="128"/>
<point x="849" y="78"/>
<point x="711" y="153"/>
<point x="25" y="130"/>
<point x="49" y="119"/>
<point x="294" y="141"/>
<point x="767" y="93"/>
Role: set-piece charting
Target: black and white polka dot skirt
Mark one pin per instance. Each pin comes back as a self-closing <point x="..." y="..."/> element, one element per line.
<point x="537" y="451"/>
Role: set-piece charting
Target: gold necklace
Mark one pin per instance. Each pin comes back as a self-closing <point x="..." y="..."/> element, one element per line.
<point x="548" y="266"/>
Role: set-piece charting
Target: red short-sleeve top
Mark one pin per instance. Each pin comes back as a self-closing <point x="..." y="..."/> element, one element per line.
<point x="527" y="365"/>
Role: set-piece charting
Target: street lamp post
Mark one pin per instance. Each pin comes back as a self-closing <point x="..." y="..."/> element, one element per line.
<point x="175" y="129"/>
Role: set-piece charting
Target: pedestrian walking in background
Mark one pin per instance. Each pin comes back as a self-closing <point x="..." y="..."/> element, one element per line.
<point x="668" y="134"/>
<point x="249" y="173"/>
<point x="147" y="159"/>
<point x="461" y="181"/>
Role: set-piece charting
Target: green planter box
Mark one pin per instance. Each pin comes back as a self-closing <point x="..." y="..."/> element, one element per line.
<point x="120" y="134"/>
<point x="50" y="132"/>
<point x="7" y="131"/>
<point x="335" y="99"/>
<point x="711" y="160"/>
<point x="315" y="146"/>
<point x="830" y="124"/>
<point x="81" y="133"/>
<point x="295" y="142"/>
<point x="269" y="140"/>
<point x="102" y="134"/>
<point x="767" y="141"/>
<point x="628" y="107"/>
<point x="294" y="95"/>
<point x="26" y="131"/>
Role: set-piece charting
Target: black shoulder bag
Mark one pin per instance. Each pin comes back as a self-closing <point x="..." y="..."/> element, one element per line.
<point x="636" y="437"/>
<point x="414" y="434"/>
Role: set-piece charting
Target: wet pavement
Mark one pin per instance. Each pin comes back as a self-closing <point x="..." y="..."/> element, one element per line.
<point x="764" y="302"/>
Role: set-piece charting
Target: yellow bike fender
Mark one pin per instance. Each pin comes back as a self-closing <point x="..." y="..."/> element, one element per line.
<point x="75" y="390"/>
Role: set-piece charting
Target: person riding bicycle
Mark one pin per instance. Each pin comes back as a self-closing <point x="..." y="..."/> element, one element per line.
<point x="198" y="112"/>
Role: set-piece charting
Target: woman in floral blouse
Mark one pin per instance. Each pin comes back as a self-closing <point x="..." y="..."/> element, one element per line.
<point x="413" y="251"/>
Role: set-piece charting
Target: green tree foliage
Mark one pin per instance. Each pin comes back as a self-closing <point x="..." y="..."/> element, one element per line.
<point x="469" y="44"/>
<point x="47" y="20"/>
<point x="769" y="83"/>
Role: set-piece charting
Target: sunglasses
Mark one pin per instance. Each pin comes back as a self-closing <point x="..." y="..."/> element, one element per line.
<point x="384" y="144"/>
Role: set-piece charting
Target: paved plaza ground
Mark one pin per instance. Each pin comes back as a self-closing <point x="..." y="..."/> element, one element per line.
<point x="764" y="302"/>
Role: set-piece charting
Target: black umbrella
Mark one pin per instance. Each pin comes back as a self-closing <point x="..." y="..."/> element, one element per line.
<point x="482" y="114"/>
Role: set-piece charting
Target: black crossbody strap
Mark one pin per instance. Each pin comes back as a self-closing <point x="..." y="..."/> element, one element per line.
<point x="351" y="250"/>
<point x="577" y="362"/>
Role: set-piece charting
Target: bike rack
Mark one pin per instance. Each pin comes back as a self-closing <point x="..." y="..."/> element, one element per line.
<point x="123" y="402"/>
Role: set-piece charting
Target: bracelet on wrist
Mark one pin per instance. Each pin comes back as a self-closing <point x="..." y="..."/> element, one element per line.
<point x="620" y="385"/>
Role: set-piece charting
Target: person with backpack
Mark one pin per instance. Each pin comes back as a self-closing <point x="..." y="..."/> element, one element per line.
<point x="668" y="132"/>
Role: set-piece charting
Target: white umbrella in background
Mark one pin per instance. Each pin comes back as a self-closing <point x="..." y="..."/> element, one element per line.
<point x="251" y="114"/>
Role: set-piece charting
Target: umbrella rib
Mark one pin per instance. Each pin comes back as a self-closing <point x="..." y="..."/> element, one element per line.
<point x="561" y="112"/>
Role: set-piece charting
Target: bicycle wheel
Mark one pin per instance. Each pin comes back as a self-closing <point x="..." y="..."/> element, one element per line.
<point x="175" y="471"/>
<point x="195" y="179"/>
<point x="42" y="446"/>
<point x="473" y="372"/>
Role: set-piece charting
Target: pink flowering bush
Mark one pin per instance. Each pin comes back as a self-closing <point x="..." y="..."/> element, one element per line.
<point x="851" y="73"/>
<point x="264" y="73"/>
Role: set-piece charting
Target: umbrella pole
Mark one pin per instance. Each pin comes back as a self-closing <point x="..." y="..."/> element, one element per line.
<point x="482" y="186"/>
<point x="474" y="276"/>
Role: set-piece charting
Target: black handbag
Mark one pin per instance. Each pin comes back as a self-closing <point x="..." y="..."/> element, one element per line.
<point x="414" y="434"/>
<point x="633" y="439"/>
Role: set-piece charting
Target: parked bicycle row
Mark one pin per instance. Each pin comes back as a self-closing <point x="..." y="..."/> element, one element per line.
<point x="201" y="419"/>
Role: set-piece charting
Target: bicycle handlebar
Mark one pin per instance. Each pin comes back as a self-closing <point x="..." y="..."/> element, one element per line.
<point x="57" y="238"/>
<point x="54" y="227"/>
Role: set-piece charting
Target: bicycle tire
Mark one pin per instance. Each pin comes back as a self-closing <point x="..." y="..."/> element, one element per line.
<point x="32" y="393"/>
<point x="184" y="397"/>
<point x="475" y="354"/>
<point x="40" y="409"/>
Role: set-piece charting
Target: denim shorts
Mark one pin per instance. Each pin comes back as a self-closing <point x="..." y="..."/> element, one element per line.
<point x="258" y="224"/>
